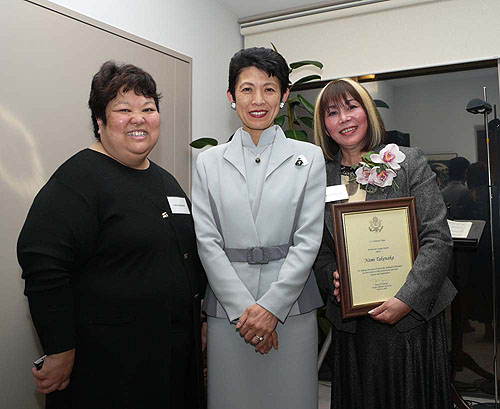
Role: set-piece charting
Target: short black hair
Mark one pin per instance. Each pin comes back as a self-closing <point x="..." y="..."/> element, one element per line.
<point x="110" y="79"/>
<point x="477" y="175"/>
<point x="262" y="58"/>
<point x="457" y="168"/>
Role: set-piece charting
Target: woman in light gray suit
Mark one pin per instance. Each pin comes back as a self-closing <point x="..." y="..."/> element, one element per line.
<point x="395" y="357"/>
<point x="258" y="209"/>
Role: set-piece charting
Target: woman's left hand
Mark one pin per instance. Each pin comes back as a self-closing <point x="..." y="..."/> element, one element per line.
<point x="265" y="347"/>
<point x="256" y="321"/>
<point x="390" y="311"/>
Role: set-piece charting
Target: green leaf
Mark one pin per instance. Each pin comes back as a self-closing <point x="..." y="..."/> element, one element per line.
<point x="202" y="142"/>
<point x="306" y="79"/>
<point x="307" y="105"/>
<point x="307" y="121"/>
<point x="367" y="158"/>
<point x="296" y="122"/>
<point x="380" y="104"/>
<point x="298" y="64"/>
<point x="298" y="135"/>
<point x="280" y="120"/>
<point x="274" y="47"/>
<point x="293" y="104"/>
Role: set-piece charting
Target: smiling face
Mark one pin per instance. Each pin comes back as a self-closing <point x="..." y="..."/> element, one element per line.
<point x="347" y="124"/>
<point x="132" y="129"/>
<point x="257" y="100"/>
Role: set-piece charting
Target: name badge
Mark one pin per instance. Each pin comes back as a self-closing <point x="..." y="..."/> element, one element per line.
<point x="178" y="205"/>
<point x="334" y="193"/>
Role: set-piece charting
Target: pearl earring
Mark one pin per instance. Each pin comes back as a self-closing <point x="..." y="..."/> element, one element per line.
<point x="233" y="105"/>
<point x="282" y="104"/>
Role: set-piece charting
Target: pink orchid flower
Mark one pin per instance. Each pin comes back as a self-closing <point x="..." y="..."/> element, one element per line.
<point x="390" y="155"/>
<point x="363" y="174"/>
<point x="384" y="178"/>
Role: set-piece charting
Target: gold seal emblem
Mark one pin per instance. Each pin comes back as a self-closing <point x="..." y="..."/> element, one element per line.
<point x="375" y="225"/>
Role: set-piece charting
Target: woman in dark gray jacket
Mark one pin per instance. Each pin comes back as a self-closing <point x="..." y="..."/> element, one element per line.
<point x="396" y="356"/>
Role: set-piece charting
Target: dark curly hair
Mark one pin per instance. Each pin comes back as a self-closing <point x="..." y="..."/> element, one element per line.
<point x="262" y="58"/>
<point x="110" y="79"/>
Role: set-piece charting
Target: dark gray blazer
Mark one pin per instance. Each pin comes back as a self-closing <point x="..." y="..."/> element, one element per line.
<point x="427" y="289"/>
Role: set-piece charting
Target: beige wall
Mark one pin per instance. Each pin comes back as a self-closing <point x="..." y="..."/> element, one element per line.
<point x="47" y="66"/>
<point x="202" y="29"/>
<point x="419" y="35"/>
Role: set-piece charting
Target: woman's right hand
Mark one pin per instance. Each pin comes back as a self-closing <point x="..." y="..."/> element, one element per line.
<point x="336" y="284"/>
<point x="55" y="372"/>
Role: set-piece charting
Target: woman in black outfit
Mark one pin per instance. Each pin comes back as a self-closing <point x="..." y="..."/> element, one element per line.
<point x="109" y="257"/>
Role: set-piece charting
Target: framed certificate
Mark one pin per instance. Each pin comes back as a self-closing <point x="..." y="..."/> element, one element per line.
<point x="376" y="244"/>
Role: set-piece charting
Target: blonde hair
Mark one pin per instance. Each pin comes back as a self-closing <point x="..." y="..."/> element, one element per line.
<point x="336" y="92"/>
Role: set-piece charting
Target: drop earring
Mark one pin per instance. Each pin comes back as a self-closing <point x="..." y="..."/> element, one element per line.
<point x="233" y="105"/>
<point x="282" y="104"/>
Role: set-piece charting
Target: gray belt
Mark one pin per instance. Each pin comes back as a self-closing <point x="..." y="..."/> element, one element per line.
<point x="258" y="255"/>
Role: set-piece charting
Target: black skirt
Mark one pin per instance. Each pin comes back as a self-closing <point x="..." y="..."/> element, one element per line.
<point x="379" y="367"/>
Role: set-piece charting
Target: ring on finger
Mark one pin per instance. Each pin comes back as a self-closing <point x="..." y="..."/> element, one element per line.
<point x="259" y="339"/>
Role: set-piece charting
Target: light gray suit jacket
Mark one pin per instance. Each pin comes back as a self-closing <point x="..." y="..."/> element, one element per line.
<point x="427" y="289"/>
<point x="291" y="211"/>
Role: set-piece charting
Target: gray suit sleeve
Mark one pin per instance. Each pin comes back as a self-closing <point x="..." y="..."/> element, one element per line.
<point x="326" y="264"/>
<point x="296" y="268"/>
<point x="430" y="268"/>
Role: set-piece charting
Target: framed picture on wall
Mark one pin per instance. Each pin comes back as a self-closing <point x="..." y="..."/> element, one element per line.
<point x="439" y="163"/>
<point x="440" y="157"/>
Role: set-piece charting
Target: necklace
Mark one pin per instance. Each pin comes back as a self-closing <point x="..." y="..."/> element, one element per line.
<point x="347" y="171"/>
<point x="257" y="155"/>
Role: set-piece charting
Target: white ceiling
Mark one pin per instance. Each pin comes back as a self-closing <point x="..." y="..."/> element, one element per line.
<point x="246" y="8"/>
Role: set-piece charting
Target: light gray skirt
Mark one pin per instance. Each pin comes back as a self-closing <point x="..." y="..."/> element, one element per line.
<point x="240" y="378"/>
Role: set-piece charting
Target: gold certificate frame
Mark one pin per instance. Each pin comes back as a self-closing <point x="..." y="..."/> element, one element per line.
<point x="376" y="244"/>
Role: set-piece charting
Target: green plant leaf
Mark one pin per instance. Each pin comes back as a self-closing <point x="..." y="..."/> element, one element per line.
<point x="380" y="104"/>
<point x="202" y="142"/>
<point x="306" y="79"/>
<point x="280" y="120"/>
<point x="298" y="64"/>
<point x="296" y="122"/>
<point x="307" y="105"/>
<point x="274" y="47"/>
<point x="298" y="135"/>
<point x="293" y="104"/>
<point x="307" y="121"/>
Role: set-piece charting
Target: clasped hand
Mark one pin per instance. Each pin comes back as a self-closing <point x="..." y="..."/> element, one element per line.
<point x="257" y="322"/>
<point x="390" y="312"/>
<point x="55" y="372"/>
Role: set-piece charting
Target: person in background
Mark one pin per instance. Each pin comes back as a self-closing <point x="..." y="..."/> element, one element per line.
<point x="456" y="195"/>
<point x="458" y="200"/>
<point x="396" y="356"/>
<point x="109" y="258"/>
<point x="441" y="172"/>
<point x="258" y="210"/>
